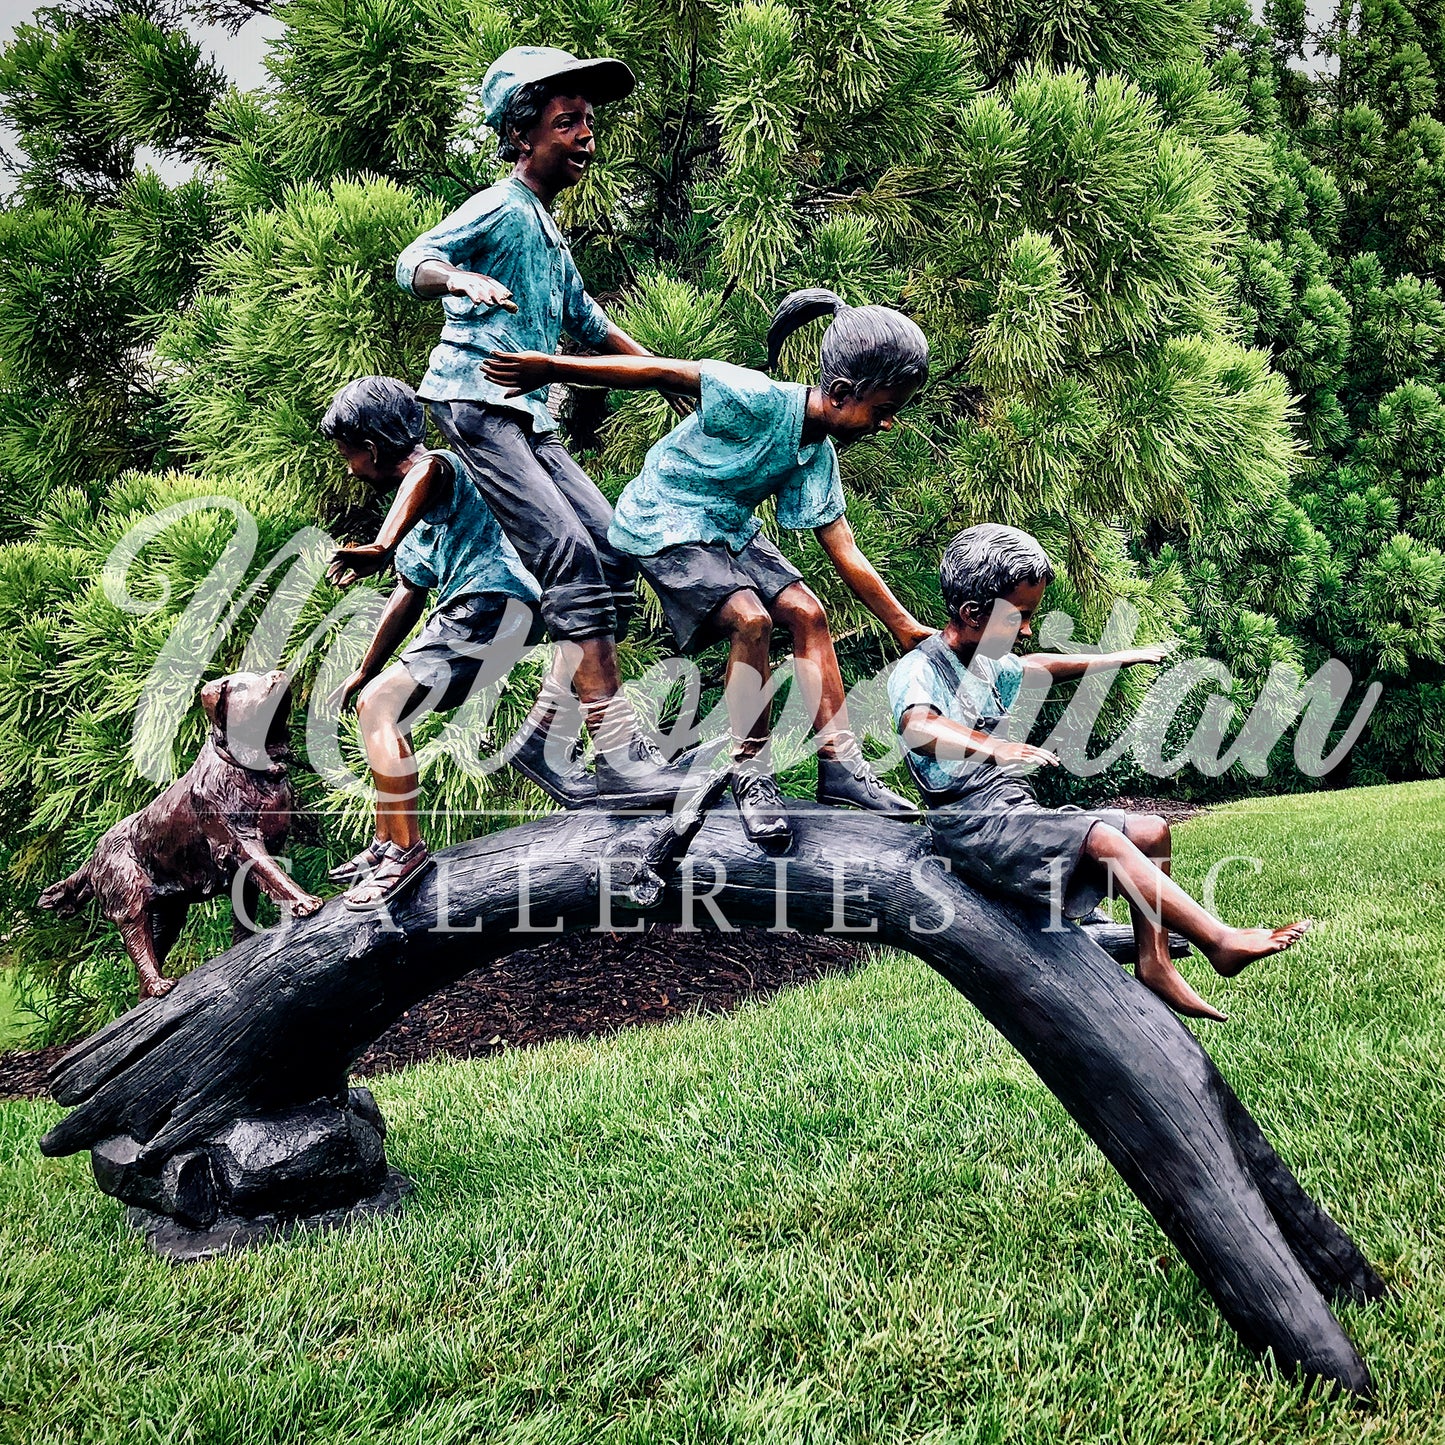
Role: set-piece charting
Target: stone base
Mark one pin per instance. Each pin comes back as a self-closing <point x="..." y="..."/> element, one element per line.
<point x="172" y="1240"/>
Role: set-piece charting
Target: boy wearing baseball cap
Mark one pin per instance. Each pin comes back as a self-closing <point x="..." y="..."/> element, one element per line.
<point x="507" y="282"/>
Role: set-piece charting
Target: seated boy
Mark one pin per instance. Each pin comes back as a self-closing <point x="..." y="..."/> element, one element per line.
<point x="439" y="536"/>
<point x="950" y="700"/>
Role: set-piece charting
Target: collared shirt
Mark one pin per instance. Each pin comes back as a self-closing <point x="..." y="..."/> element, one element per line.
<point x="504" y="232"/>
<point x="976" y="694"/>
<point x="457" y="549"/>
<point x="704" y="479"/>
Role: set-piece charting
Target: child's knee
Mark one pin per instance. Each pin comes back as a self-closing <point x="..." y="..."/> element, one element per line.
<point x="748" y="620"/>
<point x="381" y="700"/>
<point x="800" y="611"/>
<point x="1150" y="834"/>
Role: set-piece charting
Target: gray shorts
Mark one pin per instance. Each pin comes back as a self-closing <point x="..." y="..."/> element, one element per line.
<point x="694" y="579"/>
<point x="466" y="645"/>
<point x="1002" y="838"/>
<point x="551" y="512"/>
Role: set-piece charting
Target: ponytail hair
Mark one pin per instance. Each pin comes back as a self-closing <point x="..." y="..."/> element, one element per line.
<point x="866" y="346"/>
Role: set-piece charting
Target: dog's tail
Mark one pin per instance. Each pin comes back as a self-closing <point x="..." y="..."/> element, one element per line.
<point x="70" y="893"/>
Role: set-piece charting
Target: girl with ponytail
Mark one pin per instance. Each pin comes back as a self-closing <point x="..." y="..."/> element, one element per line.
<point x="688" y="522"/>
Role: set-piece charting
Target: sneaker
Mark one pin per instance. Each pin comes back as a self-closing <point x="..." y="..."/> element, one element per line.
<point x="639" y="782"/>
<point x="570" y="785"/>
<point x="851" y="783"/>
<point x="760" y="806"/>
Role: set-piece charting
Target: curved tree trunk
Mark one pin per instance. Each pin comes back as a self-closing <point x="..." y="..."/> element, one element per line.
<point x="222" y="1108"/>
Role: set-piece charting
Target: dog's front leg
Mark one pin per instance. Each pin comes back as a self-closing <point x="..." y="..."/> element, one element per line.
<point x="275" y="881"/>
<point x="136" y="934"/>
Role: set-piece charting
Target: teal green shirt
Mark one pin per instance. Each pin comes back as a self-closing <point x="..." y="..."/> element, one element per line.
<point x="458" y="549"/>
<point x="504" y="232"/>
<point x="977" y="694"/>
<point x="705" y="478"/>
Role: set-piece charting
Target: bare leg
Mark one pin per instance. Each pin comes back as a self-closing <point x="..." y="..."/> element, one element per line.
<point x="1155" y="969"/>
<point x="1150" y="889"/>
<point x="591" y="665"/>
<point x="389" y="754"/>
<point x="750" y="627"/>
<point x="816" y="663"/>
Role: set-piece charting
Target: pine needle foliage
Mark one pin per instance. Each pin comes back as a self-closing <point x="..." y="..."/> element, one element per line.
<point x="1074" y="204"/>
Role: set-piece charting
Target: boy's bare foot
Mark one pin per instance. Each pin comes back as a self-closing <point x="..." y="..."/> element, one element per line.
<point x="1242" y="946"/>
<point x="1171" y="985"/>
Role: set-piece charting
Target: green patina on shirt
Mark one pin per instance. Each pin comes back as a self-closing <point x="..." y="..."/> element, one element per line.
<point x="457" y="548"/>
<point x="504" y="232"/>
<point x="705" y="478"/>
<point x="976" y="694"/>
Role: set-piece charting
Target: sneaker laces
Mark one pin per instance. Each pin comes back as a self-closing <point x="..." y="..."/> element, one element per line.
<point x="757" y="785"/>
<point x="643" y="750"/>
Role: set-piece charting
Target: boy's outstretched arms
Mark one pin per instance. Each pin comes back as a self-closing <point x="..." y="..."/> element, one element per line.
<point x="419" y="491"/>
<point x="837" y="540"/>
<point x="1065" y="667"/>
<point x="398" y="617"/>
<point x="524" y="371"/>
<point x="925" y="731"/>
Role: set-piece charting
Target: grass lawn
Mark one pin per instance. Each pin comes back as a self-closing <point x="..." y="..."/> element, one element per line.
<point x="12" y="1023"/>
<point x="852" y="1214"/>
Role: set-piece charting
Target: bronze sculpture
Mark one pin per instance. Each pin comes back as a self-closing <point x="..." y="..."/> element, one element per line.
<point x="229" y="812"/>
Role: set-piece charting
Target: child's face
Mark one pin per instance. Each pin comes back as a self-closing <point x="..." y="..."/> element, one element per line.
<point x="1009" y="619"/>
<point x="850" y="415"/>
<point x="361" y="462"/>
<point x="561" y="143"/>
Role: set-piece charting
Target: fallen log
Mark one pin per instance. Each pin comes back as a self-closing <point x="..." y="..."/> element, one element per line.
<point x="221" y="1111"/>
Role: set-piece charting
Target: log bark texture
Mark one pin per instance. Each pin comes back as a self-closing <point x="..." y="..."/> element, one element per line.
<point x="261" y="1039"/>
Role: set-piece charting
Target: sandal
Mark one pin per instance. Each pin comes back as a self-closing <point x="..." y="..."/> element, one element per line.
<point x="396" y="872"/>
<point x="367" y="861"/>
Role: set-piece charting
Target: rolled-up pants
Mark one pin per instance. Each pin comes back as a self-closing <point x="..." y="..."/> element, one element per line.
<point x="553" y="514"/>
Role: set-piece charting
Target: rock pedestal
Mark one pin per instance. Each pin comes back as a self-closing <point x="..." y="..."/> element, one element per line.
<point x="317" y="1166"/>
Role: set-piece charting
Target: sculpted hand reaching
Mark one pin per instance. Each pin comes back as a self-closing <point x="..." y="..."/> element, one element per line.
<point x="350" y="564"/>
<point x="482" y="290"/>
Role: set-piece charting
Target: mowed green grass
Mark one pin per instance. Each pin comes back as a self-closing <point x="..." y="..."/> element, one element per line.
<point x="851" y="1214"/>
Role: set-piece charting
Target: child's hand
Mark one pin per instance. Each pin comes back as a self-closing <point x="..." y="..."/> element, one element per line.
<point x="1007" y="754"/>
<point x="482" y="290"/>
<point x="344" y="695"/>
<point x="350" y="564"/>
<point x="518" y="371"/>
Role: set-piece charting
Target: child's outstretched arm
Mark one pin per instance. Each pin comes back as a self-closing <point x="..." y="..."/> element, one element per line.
<point x="1065" y="667"/>
<point x="926" y="731"/>
<point x="837" y="540"/>
<point x="524" y="371"/>
<point x="398" y="617"/>
<point x="420" y="489"/>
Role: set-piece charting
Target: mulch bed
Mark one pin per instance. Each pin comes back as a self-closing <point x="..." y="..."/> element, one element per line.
<point x="1170" y="809"/>
<point x="585" y="984"/>
<point x="577" y="986"/>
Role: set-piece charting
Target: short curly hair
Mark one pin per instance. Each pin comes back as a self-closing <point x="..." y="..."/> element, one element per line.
<point x="984" y="563"/>
<point x="521" y="114"/>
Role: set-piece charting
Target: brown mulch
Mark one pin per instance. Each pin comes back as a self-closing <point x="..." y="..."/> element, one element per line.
<point x="577" y="986"/>
<point x="23" y="1072"/>
<point x="1170" y="809"/>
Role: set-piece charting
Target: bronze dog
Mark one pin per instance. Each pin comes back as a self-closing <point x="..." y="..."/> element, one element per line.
<point x="187" y="845"/>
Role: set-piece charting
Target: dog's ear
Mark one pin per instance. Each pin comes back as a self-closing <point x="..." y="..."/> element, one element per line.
<point x="213" y="699"/>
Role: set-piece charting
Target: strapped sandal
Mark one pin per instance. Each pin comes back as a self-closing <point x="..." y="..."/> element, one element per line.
<point x="367" y="861"/>
<point x="396" y="872"/>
